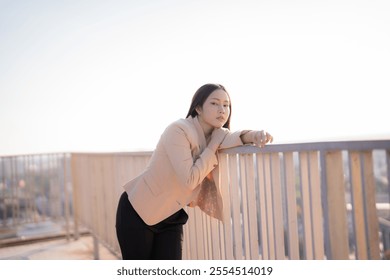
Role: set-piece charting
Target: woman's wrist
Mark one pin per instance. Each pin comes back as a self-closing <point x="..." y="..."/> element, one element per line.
<point x="259" y="138"/>
<point x="247" y="136"/>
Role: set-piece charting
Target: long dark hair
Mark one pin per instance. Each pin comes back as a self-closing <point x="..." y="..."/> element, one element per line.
<point x="200" y="97"/>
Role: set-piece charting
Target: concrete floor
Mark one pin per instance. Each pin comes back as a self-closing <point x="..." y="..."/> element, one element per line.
<point x="60" y="249"/>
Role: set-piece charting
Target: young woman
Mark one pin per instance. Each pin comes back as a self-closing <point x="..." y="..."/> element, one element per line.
<point x="150" y="215"/>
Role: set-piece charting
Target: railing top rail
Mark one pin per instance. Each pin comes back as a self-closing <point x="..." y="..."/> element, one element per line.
<point x="143" y="153"/>
<point x="35" y="155"/>
<point x="249" y="149"/>
<point x="315" y="146"/>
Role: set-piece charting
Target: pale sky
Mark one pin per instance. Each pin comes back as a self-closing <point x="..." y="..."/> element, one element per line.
<point x="109" y="76"/>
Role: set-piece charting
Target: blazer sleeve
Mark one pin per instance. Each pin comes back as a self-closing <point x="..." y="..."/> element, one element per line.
<point x="233" y="139"/>
<point x="190" y="172"/>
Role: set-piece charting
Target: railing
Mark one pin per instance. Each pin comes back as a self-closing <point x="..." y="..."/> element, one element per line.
<point x="295" y="201"/>
<point x="35" y="197"/>
<point x="298" y="201"/>
<point x="97" y="184"/>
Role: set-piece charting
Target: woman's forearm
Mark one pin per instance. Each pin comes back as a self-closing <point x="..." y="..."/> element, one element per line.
<point x="247" y="137"/>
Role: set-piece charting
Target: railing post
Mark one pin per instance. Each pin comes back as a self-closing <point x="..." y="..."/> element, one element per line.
<point x="96" y="254"/>
<point x="66" y="197"/>
<point x="76" y="195"/>
<point x="336" y="208"/>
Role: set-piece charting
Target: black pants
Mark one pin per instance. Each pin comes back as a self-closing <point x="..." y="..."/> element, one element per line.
<point x="139" y="241"/>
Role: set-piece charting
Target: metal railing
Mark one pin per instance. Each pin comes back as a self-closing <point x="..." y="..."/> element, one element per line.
<point x="35" y="196"/>
<point x="293" y="201"/>
<point x="298" y="201"/>
<point x="97" y="184"/>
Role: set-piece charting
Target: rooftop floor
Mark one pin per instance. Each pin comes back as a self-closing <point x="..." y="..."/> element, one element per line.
<point x="60" y="249"/>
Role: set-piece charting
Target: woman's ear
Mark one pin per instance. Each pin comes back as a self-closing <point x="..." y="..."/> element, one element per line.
<point x="198" y="110"/>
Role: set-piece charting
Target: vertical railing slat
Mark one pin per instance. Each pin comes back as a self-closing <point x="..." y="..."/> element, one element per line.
<point x="244" y="206"/>
<point x="262" y="224"/>
<point x="224" y="183"/>
<point x="111" y="200"/>
<point x="292" y="220"/>
<point x="270" y="208"/>
<point x="251" y="206"/>
<point x="358" y="205"/>
<point x="193" y="235"/>
<point x="388" y="173"/>
<point x="277" y="207"/>
<point x="222" y="242"/>
<point x="306" y="211"/>
<point x="201" y="236"/>
<point x="66" y="196"/>
<point x="186" y="245"/>
<point x="76" y="184"/>
<point x="337" y="217"/>
<point x="215" y="241"/>
<point x="207" y="227"/>
<point x="370" y="206"/>
<point x="3" y="191"/>
<point x="317" y="217"/>
<point x="235" y="203"/>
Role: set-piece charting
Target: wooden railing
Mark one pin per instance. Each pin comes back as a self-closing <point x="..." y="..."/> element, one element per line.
<point x="292" y="201"/>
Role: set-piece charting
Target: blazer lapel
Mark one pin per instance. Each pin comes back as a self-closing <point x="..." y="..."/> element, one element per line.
<point x="200" y="132"/>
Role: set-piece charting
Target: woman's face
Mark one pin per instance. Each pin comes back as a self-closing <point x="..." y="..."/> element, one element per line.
<point x="215" y="110"/>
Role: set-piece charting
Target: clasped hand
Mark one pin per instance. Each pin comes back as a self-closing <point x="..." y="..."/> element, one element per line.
<point x="261" y="138"/>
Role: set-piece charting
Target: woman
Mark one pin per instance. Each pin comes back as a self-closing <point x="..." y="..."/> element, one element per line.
<point x="150" y="215"/>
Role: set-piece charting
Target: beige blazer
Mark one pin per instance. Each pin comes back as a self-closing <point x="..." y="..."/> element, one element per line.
<point x="176" y="174"/>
